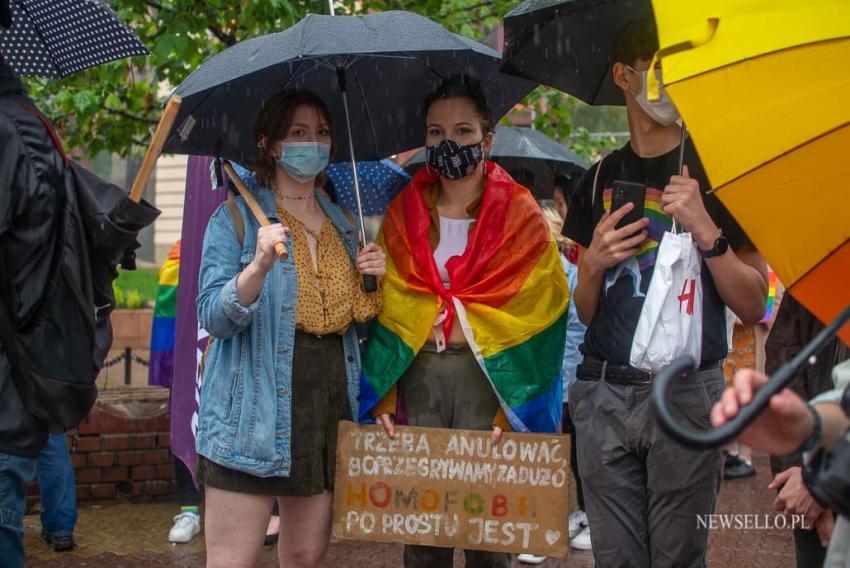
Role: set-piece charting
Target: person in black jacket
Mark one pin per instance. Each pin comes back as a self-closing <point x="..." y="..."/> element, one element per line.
<point x="31" y="200"/>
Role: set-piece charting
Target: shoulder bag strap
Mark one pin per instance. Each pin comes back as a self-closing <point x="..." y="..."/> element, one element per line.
<point x="238" y="222"/>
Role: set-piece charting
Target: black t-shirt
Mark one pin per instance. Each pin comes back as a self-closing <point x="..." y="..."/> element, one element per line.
<point x="609" y="336"/>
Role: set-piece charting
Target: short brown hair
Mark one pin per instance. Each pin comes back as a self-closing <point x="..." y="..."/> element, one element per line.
<point x="273" y="122"/>
<point x="637" y="40"/>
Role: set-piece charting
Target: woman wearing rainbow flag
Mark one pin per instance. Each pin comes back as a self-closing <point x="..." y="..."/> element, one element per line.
<point x="471" y="333"/>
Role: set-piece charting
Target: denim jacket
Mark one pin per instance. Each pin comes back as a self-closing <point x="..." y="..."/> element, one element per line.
<point x="575" y="332"/>
<point x="244" y="421"/>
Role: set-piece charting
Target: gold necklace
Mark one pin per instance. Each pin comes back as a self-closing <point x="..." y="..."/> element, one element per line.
<point x="296" y="197"/>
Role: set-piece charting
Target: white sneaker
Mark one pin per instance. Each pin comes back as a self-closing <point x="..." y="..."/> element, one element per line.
<point x="578" y="521"/>
<point x="531" y="559"/>
<point x="581" y="541"/>
<point x="186" y="526"/>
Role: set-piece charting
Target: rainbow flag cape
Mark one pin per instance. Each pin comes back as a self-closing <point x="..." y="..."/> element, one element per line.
<point x="162" y="332"/>
<point x="508" y="289"/>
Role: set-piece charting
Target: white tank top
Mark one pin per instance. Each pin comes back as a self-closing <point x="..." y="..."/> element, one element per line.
<point x="454" y="234"/>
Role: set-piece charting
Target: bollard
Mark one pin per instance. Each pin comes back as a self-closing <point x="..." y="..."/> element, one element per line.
<point x="128" y="364"/>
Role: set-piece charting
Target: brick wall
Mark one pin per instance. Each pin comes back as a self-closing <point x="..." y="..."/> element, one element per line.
<point x="122" y="450"/>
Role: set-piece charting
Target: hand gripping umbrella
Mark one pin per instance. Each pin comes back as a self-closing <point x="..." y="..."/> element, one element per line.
<point x="789" y="188"/>
<point x="373" y="72"/>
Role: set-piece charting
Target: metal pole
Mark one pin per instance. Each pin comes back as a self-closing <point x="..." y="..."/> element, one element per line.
<point x="362" y="232"/>
<point x="370" y="282"/>
<point x="331" y="7"/>
<point x="128" y="365"/>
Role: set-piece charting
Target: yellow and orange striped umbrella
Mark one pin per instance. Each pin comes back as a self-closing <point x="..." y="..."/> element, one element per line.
<point x="764" y="87"/>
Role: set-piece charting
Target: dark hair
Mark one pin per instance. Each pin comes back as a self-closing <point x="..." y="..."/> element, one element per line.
<point x="565" y="184"/>
<point x="273" y="122"/>
<point x="562" y="182"/>
<point x="464" y="87"/>
<point x="637" y="40"/>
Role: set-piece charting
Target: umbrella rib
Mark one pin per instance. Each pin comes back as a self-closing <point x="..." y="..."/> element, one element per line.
<point x="366" y="107"/>
<point x="295" y="74"/>
<point x="818" y="264"/>
<point x="37" y="29"/>
<point x="782" y="155"/>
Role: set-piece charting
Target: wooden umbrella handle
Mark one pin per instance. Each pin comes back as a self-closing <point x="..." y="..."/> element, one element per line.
<point x="163" y="129"/>
<point x="255" y="208"/>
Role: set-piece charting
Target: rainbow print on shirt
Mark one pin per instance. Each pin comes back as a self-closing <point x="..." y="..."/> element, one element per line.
<point x="659" y="223"/>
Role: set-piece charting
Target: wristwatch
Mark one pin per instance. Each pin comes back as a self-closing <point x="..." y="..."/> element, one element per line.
<point x="721" y="245"/>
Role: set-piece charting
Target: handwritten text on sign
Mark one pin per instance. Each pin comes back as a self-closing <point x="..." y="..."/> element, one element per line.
<point x="441" y="487"/>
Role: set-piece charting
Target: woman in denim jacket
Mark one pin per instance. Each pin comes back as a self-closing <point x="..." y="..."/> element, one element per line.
<point x="283" y="368"/>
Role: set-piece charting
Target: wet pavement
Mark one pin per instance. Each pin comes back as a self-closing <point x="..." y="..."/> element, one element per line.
<point x="135" y="535"/>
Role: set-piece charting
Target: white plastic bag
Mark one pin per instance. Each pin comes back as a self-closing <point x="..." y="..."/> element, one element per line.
<point x="670" y="323"/>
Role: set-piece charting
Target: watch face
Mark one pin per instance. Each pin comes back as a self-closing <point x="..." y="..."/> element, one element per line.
<point x="721" y="245"/>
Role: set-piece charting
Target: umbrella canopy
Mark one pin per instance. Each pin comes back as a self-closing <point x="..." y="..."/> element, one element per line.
<point x="389" y="61"/>
<point x="380" y="182"/>
<point x="54" y="38"/>
<point x="567" y="44"/>
<point x="769" y="115"/>
<point x="531" y="157"/>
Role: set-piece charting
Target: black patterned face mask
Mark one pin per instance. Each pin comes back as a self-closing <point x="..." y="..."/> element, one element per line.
<point x="452" y="160"/>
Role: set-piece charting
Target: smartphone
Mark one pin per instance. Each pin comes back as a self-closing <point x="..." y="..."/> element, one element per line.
<point x="628" y="192"/>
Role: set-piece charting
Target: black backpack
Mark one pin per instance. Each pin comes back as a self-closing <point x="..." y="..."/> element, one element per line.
<point x="57" y="355"/>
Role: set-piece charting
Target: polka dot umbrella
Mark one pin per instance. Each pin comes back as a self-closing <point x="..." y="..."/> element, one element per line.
<point x="54" y="38"/>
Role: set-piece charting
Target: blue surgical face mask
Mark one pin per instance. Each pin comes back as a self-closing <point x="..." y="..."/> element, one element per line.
<point x="304" y="160"/>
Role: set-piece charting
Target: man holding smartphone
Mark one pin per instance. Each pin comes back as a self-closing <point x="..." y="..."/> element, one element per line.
<point x="643" y="490"/>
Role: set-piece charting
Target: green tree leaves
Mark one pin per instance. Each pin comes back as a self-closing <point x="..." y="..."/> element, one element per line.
<point x="115" y="107"/>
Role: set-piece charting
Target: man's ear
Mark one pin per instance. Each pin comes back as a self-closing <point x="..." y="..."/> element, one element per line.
<point x="622" y="75"/>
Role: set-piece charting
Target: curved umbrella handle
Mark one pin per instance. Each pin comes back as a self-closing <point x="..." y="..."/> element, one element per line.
<point x="704" y="439"/>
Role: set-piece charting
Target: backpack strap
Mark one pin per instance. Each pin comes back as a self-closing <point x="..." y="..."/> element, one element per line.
<point x="238" y="222"/>
<point x="596" y="182"/>
<point x="49" y="127"/>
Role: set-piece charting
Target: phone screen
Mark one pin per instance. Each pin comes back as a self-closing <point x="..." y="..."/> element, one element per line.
<point x="628" y="192"/>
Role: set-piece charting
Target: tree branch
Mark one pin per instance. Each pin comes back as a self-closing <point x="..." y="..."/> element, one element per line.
<point x="132" y="116"/>
<point x="222" y="36"/>
<point x="225" y="38"/>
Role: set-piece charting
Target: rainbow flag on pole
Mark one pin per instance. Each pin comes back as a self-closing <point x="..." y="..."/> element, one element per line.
<point x="165" y="310"/>
<point x="508" y="289"/>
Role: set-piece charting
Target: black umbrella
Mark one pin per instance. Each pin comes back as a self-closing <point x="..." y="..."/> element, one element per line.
<point x="386" y="63"/>
<point x="567" y="44"/>
<point x="531" y="157"/>
<point x="373" y="72"/>
<point x="54" y="38"/>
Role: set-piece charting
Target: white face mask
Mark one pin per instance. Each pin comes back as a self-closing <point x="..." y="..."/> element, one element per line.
<point x="662" y="111"/>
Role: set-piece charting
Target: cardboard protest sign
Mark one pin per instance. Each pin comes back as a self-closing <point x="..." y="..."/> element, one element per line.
<point x="439" y="487"/>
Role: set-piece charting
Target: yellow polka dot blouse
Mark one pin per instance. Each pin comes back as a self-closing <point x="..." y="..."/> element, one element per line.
<point x="329" y="298"/>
